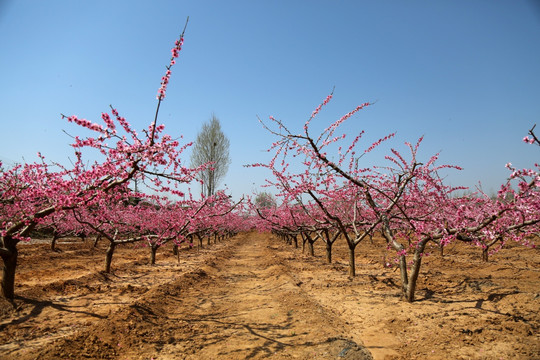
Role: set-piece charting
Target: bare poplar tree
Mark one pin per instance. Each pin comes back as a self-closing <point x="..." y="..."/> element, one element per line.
<point x="265" y="200"/>
<point x="211" y="146"/>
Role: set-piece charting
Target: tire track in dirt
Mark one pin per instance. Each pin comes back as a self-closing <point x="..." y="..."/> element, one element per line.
<point x="243" y="304"/>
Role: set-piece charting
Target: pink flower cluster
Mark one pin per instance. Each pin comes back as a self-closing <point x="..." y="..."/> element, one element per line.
<point x="378" y="142"/>
<point x="175" y="51"/>
<point x="84" y="123"/>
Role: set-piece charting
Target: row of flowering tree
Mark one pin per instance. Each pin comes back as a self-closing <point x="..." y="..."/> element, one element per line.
<point x="95" y="196"/>
<point x="406" y="200"/>
<point x="149" y="222"/>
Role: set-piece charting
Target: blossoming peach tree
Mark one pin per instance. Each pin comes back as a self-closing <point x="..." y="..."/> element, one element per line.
<point x="32" y="192"/>
<point x="406" y="201"/>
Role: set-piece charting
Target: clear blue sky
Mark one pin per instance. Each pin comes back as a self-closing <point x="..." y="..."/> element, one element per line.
<point x="466" y="74"/>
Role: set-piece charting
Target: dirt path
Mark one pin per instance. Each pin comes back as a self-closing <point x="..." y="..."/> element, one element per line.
<point x="242" y="304"/>
<point x="249" y="307"/>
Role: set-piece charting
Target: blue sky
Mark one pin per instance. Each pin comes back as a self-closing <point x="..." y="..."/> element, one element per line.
<point x="465" y="74"/>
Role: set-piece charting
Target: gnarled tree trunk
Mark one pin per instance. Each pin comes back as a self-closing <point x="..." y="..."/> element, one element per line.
<point x="9" y="266"/>
<point x="56" y="235"/>
<point x="109" y="256"/>
<point x="153" y="250"/>
<point x="329" y="252"/>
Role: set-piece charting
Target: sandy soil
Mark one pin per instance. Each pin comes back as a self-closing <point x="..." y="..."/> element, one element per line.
<point x="253" y="297"/>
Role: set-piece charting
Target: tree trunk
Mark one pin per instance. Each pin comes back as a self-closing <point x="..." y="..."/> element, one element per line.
<point x="389" y="236"/>
<point x="404" y="276"/>
<point x="200" y="241"/>
<point x="153" y="250"/>
<point x="175" y="249"/>
<point x="311" y="250"/>
<point x="287" y="238"/>
<point x="9" y="267"/>
<point x="306" y="238"/>
<point x="53" y="242"/>
<point x="108" y="257"/>
<point x="485" y="254"/>
<point x="352" y="260"/>
<point x="415" y="271"/>
<point x="98" y="237"/>
<point x="329" y="252"/>
<point x="413" y="277"/>
<point x="295" y="240"/>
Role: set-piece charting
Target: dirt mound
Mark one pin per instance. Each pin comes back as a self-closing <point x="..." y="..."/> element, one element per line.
<point x="142" y="325"/>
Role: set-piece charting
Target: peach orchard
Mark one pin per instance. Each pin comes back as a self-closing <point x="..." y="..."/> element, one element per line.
<point x="327" y="190"/>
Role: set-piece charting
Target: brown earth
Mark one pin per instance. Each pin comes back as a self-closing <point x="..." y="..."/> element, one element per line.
<point x="253" y="297"/>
